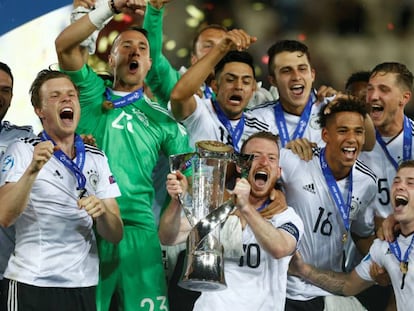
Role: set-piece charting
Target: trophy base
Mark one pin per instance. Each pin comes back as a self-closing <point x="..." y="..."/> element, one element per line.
<point x="202" y="285"/>
<point x="204" y="271"/>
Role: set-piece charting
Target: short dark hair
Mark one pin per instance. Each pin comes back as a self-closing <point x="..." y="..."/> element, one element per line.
<point x="135" y="28"/>
<point x="406" y="163"/>
<point x="139" y="29"/>
<point x="285" y="46"/>
<point x="404" y="76"/>
<point x="342" y="104"/>
<point x="204" y="28"/>
<point x="358" y="76"/>
<point x="41" y="78"/>
<point x="262" y="134"/>
<point x="235" y="56"/>
<point x="4" y="67"/>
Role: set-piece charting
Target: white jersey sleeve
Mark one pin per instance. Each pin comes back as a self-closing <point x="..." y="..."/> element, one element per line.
<point x="203" y="124"/>
<point x="255" y="281"/>
<point x="379" y="162"/>
<point x="55" y="241"/>
<point x="381" y="254"/>
<point x="9" y="133"/>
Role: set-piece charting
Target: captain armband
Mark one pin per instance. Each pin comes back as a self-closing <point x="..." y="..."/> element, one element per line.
<point x="292" y="229"/>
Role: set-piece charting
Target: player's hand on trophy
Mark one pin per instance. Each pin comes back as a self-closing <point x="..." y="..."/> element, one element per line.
<point x="177" y="185"/>
<point x="241" y="193"/>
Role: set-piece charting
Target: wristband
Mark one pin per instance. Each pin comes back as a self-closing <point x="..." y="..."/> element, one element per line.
<point x="99" y="16"/>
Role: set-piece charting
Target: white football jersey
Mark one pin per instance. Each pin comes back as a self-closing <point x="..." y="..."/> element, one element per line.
<point x="307" y="192"/>
<point x="55" y="243"/>
<point x="266" y="113"/>
<point x="8" y="134"/>
<point x="256" y="281"/>
<point x="203" y="124"/>
<point x="381" y="254"/>
<point x="378" y="161"/>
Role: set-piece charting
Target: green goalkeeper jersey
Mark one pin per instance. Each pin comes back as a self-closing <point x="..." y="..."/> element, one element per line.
<point x="132" y="136"/>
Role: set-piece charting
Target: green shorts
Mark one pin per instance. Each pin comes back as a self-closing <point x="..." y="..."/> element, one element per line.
<point x="133" y="270"/>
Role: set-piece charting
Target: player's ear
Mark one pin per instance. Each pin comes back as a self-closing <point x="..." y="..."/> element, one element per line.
<point x="324" y="135"/>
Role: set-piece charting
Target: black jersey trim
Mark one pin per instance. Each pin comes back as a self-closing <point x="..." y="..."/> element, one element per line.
<point x="360" y="166"/>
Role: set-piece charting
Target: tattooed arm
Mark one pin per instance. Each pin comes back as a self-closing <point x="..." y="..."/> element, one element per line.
<point x="338" y="283"/>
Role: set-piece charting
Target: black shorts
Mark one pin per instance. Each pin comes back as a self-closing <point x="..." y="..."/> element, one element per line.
<point x="315" y="304"/>
<point x="18" y="296"/>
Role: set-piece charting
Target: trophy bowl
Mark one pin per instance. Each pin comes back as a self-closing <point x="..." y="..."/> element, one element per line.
<point x="204" y="261"/>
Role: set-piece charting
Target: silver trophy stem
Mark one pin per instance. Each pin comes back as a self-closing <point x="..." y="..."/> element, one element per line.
<point x="204" y="261"/>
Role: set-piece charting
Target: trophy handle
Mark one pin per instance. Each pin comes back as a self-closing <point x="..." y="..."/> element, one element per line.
<point x="182" y="162"/>
<point x="244" y="162"/>
<point x="212" y="220"/>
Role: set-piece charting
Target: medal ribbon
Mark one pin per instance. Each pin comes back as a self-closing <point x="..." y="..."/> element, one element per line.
<point x="303" y="121"/>
<point x="75" y="167"/>
<point x="344" y="208"/>
<point x="396" y="250"/>
<point x="264" y="205"/>
<point x="407" y="143"/>
<point x="235" y="133"/>
<point x="208" y="93"/>
<point x="125" y="100"/>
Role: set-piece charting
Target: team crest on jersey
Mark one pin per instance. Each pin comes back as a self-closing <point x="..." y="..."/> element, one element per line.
<point x="313" y="122"/>
<point x="93" y="178"/>
<point x="354" y="208"/>
<point x="141" y="116"/>
<point x="8" y="163"/>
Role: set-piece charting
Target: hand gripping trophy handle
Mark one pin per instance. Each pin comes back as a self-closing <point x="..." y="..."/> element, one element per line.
<point x="220" y="214"/>
<point x="204" y="266"/>
<point x="182" y="162"/>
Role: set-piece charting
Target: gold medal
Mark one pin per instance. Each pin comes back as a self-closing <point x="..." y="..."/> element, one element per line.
<point x="404" y="267"/>
<point x="344" y="237"/>
<point x="107" y="105"/>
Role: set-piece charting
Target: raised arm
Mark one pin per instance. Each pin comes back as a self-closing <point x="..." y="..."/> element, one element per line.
<point x="14" y="196"/>
<point x="278" y="242"/>
<point x="162" y="76"/>
<point x="68" y="43"/>
<point x="183" y="103"/>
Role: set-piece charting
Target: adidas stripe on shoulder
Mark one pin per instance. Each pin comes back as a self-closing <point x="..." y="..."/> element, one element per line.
<point x="93" y="149"/>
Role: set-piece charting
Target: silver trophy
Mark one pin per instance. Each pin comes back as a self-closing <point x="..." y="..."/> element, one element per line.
<point x="205" y="210"/>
